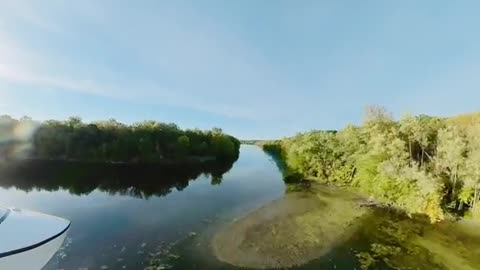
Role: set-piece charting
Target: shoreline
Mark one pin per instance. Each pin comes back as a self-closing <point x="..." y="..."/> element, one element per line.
<point x="289" y="231"/>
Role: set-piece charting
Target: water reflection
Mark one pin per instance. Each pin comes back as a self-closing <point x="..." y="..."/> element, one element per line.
<point x="81" y="178"/>
<point x="122" y="232"/>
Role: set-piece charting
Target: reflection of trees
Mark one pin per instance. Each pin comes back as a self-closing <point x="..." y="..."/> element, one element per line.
<point x="137" y="180"/>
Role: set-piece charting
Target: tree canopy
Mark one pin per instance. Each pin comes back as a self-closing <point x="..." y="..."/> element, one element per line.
<point x="422" y="164"/>
<point x="110" y="140"/>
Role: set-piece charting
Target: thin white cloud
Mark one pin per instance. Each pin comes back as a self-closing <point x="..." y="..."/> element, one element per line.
<point x="212" y="55"/>
<point x="27" y="12"/>
<point x="17" y="76"/>
<point x="147" y="96"/>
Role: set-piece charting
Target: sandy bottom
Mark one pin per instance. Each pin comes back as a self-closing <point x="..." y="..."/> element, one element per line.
<point x="294" y="230"/>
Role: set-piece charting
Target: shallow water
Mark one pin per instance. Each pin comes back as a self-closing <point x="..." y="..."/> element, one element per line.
<point x="150" y="218"/>
<point x="324" y="227"/>
<point x="294" y="230"/>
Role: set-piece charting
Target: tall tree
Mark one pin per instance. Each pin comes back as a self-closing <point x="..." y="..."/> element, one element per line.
<point x="471" y="172"/>
<point x="450" y="157"/>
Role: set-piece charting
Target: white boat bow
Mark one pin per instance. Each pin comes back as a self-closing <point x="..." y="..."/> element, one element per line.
<point x="29" y="239"/>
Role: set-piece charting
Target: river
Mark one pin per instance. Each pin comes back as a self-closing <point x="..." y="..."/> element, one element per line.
<point x="123" y="228"/>
<point x="145" y="217"/>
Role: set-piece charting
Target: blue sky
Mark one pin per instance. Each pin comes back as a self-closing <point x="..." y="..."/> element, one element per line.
<point x="257" y="69"/>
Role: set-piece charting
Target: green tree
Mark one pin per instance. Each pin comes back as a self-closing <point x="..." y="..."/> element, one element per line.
<point x="183" y="145"/>
<point x="471" y="172"/>
<point x="113" y="141"/>
<point x="391" y="161"/>
<point x="223" y="147"/>
<point x="450" y="157"/>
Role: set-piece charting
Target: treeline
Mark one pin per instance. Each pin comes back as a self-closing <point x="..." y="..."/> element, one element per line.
<point x="422" y="164"/>
<point x="112" y="141"/>
<point x="252" y="142"/>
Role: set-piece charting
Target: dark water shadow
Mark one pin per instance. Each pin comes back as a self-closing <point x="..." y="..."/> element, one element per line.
<point x="81" y="178"/>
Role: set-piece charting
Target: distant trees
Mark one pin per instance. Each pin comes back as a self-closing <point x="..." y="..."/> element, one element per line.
<point x="422" y="164"/>
<point x="147" y="141"/>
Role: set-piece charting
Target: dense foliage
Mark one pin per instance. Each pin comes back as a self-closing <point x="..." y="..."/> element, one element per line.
<point x="422" y="164"/>
<point x="110" y="140"/>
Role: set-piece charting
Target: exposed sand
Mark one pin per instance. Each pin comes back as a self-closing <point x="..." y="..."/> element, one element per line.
<point x="293" y="230"/>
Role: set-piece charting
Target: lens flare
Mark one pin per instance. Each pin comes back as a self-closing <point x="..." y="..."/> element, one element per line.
<point x="16" y="137"/>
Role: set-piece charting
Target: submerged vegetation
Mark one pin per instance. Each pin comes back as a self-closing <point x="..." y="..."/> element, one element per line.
<point x="421" y="164"/>
<point x="294" y="230"/>
<point x="112" y="141"/>
<point x="334" y="228"/>
<point x="390" y="240"/>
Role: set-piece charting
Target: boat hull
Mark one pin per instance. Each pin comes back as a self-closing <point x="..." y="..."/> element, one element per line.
<point x="28" y="240"/>
<point x="33" y="259"/>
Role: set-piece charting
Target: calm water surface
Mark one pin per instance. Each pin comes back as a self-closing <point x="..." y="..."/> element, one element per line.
<point x="125" y="229"/>
<point x="139" y="216"/>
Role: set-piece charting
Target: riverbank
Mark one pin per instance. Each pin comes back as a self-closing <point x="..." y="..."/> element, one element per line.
<point x="314" y="223"/>
<point x="422" y="164"/>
